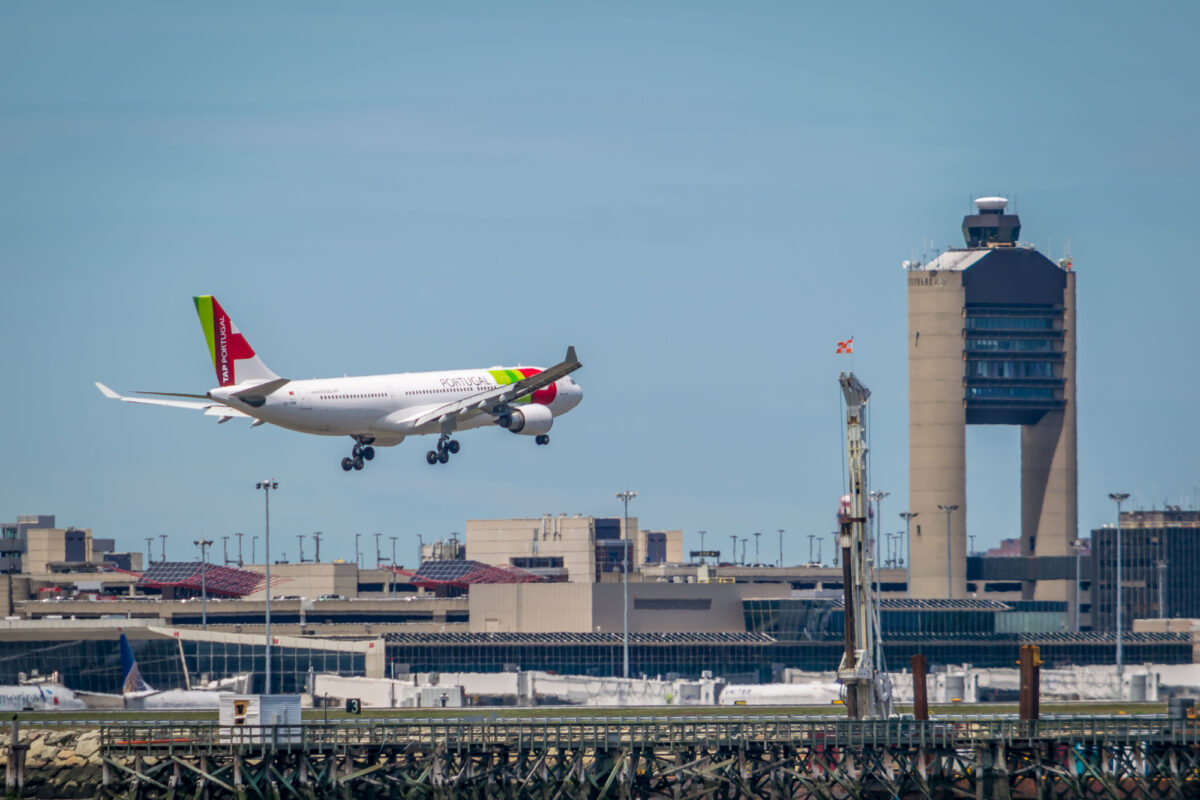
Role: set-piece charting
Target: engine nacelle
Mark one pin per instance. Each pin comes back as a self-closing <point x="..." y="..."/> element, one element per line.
<point x="530" y="420"/>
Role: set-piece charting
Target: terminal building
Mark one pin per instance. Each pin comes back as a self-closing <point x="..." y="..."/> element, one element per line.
<point x="741" y="622"/>
<point x="1160" y="558"/>
<point x="991" y="341"/>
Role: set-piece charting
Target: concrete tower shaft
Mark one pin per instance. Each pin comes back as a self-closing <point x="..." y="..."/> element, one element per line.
<point x="937" y="432"/>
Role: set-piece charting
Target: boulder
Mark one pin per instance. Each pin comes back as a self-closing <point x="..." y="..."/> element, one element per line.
<point x="58" y="737"/>
<point x="87" y="746"/>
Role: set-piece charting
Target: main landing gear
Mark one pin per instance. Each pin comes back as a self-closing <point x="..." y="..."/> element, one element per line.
<point x="446" y="447"/>
<point x="542" y="438"/>
<point x="359" y="455"/>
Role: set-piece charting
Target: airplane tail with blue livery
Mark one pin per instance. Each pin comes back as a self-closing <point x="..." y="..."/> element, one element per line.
<point x="131" y="677"/>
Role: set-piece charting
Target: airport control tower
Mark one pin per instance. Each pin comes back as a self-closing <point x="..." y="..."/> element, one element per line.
<point x="991" y="341"/>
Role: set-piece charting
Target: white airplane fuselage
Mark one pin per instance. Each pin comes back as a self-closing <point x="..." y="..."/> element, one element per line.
<point x="372" y="409"/>
<point x="386" y="406"/>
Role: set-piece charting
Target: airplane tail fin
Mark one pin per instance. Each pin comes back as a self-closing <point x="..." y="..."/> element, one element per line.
<point x="233" y="357"/>
<point x="131" y="676"/>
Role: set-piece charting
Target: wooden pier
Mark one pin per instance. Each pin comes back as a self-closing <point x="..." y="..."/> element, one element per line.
<point x="754" y="756"/>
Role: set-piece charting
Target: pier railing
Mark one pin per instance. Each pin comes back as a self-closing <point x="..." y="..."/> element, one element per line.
<point x="648" y="732"/>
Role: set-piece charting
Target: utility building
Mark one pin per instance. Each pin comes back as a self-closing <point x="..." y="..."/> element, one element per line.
<point x="991" y="341"/>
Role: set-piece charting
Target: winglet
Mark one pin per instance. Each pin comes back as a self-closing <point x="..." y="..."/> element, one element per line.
<point x="107" y="392"/>
<point x="571" y="357"/>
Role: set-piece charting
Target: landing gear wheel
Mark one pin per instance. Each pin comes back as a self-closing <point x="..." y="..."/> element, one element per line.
<point x="358" y="462"/>
<point x="542" y="438"/>
<point x="368" y="452"/>
<point x="452" y="445"/>
<point x="431" y="457"/>
<point x="443" y="457"/>
<point x="347" y="464"/>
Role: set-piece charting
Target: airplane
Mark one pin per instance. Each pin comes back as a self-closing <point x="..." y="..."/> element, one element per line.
<point x="39" y="697"/>
<point x="373" y="410"/>
<point x="136" y="693"/>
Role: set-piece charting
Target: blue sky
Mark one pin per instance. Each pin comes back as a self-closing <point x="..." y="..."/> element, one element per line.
<point x="702" y="198"/>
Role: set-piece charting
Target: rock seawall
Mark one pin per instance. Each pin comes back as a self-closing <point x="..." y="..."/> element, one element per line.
<point x="59" y="764"/>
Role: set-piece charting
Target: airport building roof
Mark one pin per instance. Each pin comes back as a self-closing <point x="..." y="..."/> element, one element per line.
<point x="215" y="580"/>
<point x="464" y="572"/>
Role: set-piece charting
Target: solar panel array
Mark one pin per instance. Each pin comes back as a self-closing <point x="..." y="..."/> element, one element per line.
<point x="614" y="637"/>
<point x="216" y="580"/>
<point x="1103" y="637"/>
<point x="464" y="572"/>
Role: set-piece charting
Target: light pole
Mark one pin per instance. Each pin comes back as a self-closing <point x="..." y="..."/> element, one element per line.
<point x="878" y="496"/>
<point x="733" y="555"/>
<point x="625" y="497"/>
<point x="420" y="550"/>
<point x="163" y="536"/>
<point x="744" y="540"/>
<point x="949" y="509"/>
<point x="300" y="541"/>
<point x="702" y="545"/>
<point x="393" y="538"/>
<point x="811" y="536"/>
<point x="1162" y="591"/>
<point x="317" y="547"/>
<point x="149" y="553"/>
<point x="225" y="551"/>
<point x="757" y="560"/>
<point x="780" y="547"/>
<point x="203" y="544"/>
<point x="357" y="553"/>
<point x="239" y="537"/>
<point x="1119" y="498"/>
<point x="378" y="555"/>
<point x="972" y="549"/>
<point x="254" y="549"/>
<point x="266" y="487"/>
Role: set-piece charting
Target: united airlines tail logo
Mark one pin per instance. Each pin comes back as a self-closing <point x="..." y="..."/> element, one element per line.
<point x="134" y="681"/>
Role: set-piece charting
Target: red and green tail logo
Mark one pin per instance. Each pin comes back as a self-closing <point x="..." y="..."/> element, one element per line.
<point x="231" y="353"/>
<point x="543" y="396"/>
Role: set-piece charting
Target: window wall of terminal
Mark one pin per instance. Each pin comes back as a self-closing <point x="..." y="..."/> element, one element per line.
<point x="289" y="665"/>
<point x="760" y="662"/>
<point x="91" y="665"/>
<point x="95" y="665"/>
<point x="823" y="620"/>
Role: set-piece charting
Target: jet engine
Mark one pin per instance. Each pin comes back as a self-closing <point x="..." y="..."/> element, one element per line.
<point x="530" y="420"/>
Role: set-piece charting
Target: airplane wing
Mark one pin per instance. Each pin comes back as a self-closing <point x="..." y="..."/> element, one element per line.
<point x="210" y="407"/>
<point x="501" y="395"/>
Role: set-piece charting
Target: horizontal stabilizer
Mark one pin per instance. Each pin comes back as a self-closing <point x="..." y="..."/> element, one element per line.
<point x="261" y="389"/>
<point x="201" y="403"/>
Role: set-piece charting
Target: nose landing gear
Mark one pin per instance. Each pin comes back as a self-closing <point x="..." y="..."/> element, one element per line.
<point x="445" y="448"/>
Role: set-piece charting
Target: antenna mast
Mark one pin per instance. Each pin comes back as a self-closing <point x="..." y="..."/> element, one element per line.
<point x="868" y="691"/>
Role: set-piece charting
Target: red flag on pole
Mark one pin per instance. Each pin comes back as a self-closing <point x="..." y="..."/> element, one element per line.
<point x="846" y="346"/>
